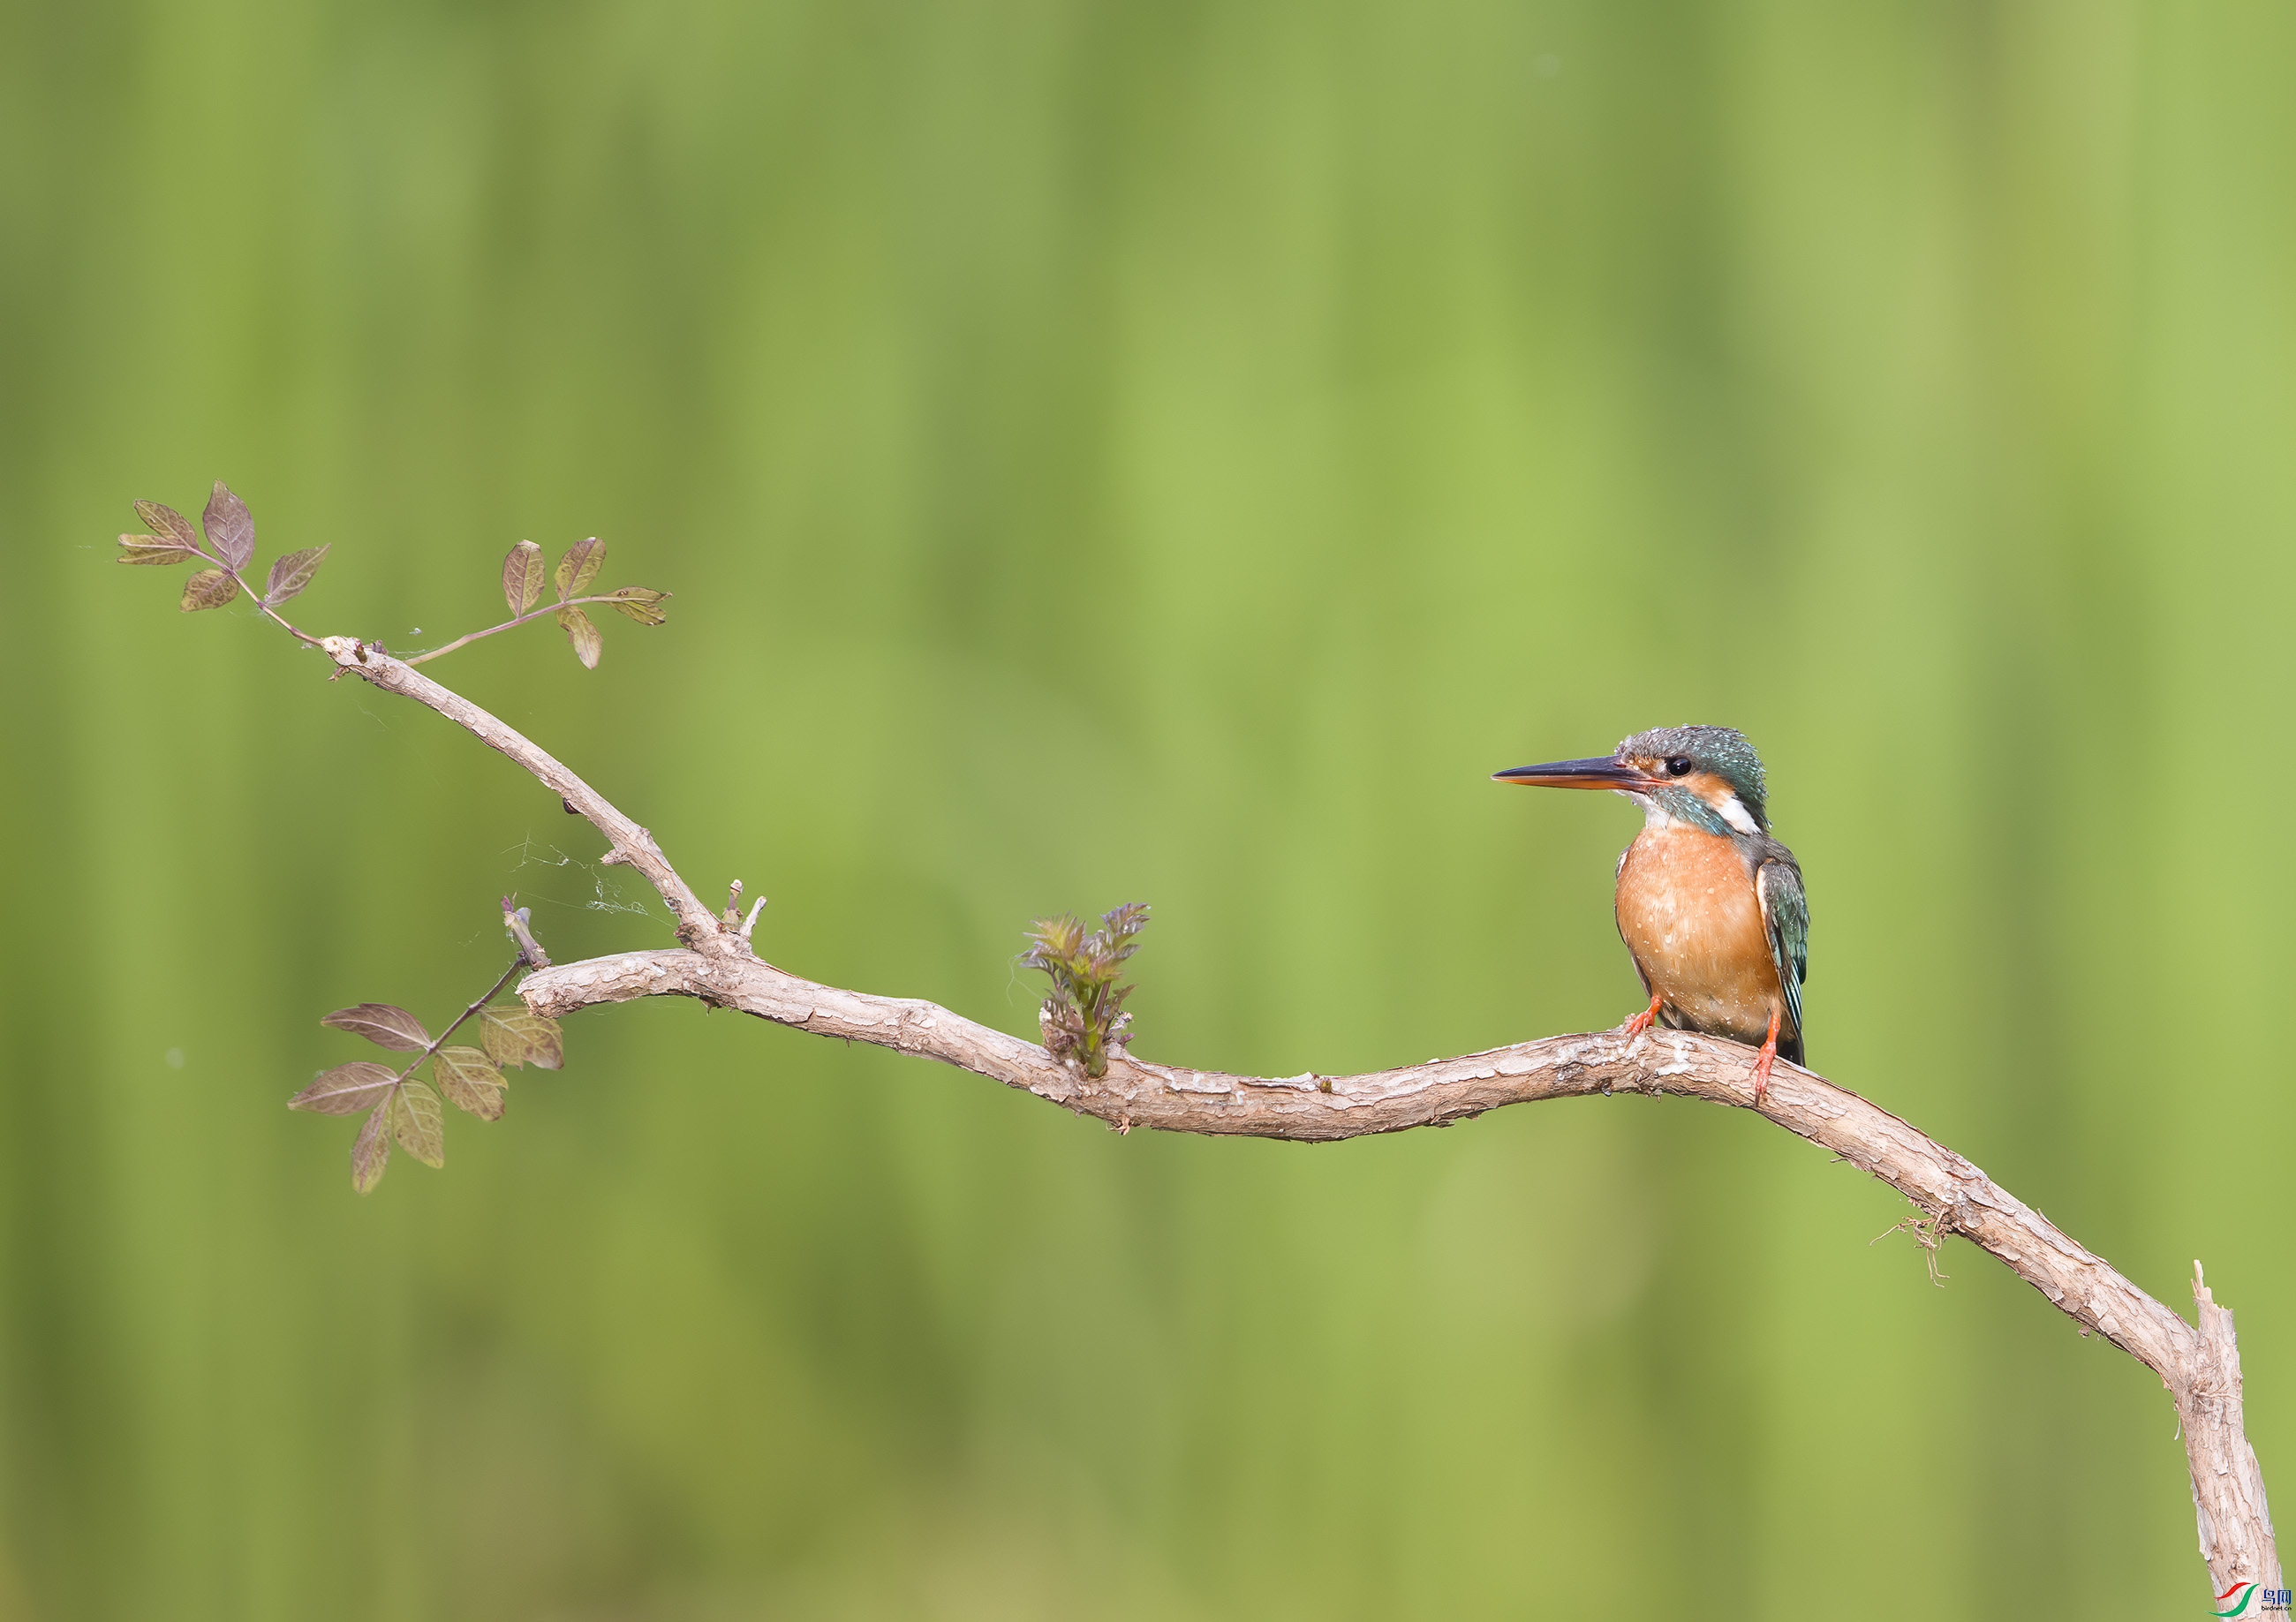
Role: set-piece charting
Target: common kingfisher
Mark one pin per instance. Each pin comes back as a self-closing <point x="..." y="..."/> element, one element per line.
<point x="1711" y="905"/>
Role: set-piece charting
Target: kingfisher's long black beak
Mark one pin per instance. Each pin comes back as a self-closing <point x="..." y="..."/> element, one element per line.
<point x="1603" y="773"/>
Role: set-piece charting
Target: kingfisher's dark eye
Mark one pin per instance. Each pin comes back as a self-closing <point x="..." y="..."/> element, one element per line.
<point x="1677" y="766"/>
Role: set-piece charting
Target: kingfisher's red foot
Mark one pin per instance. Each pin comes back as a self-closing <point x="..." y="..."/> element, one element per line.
<point x="1641" y="1022"/>
<point x="1764" y="1060"/>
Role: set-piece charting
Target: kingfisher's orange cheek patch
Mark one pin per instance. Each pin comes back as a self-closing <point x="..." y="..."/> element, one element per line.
<point x="1714" y="789"/>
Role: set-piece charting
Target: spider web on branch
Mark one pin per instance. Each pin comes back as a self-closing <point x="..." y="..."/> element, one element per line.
<point x="607" y="894"/>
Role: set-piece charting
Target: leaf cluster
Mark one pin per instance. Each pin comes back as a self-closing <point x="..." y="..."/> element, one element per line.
<point x="401" y="1108"/>
<point x="521" y="578"/>
<point x="1084" y="1016"/>
<point x="230" y="548"/>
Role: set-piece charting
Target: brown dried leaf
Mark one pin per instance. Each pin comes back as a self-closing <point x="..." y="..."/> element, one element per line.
<point x="167" y="523"/>
<point x="514" y="1034"/>
<point x="587" y="644"/>
<point x="290" y="574"/>
<point x="469" y="1081"/>
<point x="578" y="567"/>
<point x="371" y="1151"/>
<point x="522" y="578"/>
<point x="504" y="1040"/>
<point x="382" y="1025"/>
<point x="152" y="549"/>
<point x="418" y="1120"/>
<point x="639" y="604"/>
<point x="230" y="532"/>
<point x="346" y="1089"/>
<point x="209" y="588"/>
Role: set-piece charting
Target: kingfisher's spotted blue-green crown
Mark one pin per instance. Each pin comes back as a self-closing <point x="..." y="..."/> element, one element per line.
<point x="1720" y="751"/>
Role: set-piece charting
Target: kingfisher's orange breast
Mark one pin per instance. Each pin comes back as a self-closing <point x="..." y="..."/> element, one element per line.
<point x="1689" y="914"/>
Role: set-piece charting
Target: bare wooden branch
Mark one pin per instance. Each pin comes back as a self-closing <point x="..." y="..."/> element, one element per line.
<point x="696" y="925"/>
<point x="2199" y="1366"/>
<point x="2227" y="1482"/>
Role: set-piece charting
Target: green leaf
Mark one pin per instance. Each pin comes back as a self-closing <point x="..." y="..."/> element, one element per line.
<point x="346" y="1089"/>
<point x="209" y="588"/>
<point x="290" y="574"/>
<point x="152" y="549"/>
<point x="639" y="604"/>
<point x="230" y="532"/>
<point x="583" y="634"/>
<point x="167" y="523"/>
<point x="1083" y="1016"/>
<point x="578" y="567"/>
<point x="381" y="1024"/>
<point x="515" y="1035"/>
<point x="371" y="1151"/>
<point x="469" y="1081"/>
<point x="522" y="578"/>
<point x="418" y="1121"/>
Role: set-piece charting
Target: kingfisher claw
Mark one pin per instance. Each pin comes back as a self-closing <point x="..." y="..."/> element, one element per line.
<point x="1764" y="1060"/>
<point x="1641" y="1022"/>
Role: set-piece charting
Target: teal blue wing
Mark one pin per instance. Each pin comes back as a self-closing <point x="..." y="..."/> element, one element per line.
<point x="1785" y="914"/>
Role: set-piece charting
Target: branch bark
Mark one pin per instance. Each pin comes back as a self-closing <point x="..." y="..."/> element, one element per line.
<point x="2199" y="1365"/>
<point x="697" y="926"/>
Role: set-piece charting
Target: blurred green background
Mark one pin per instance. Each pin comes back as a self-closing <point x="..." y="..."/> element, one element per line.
<point x="1163" y="452"/>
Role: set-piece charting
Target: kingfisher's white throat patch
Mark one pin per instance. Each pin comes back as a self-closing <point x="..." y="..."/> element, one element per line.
<point x="1654" y="817"/>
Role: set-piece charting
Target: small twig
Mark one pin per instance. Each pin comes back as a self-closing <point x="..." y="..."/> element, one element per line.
<point x="439" y="1041"/>
<point x="507" y="625"/>
<point x="240" y="580"/>
<point x="751" y="923"/>
<point x="519" y="922"/>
